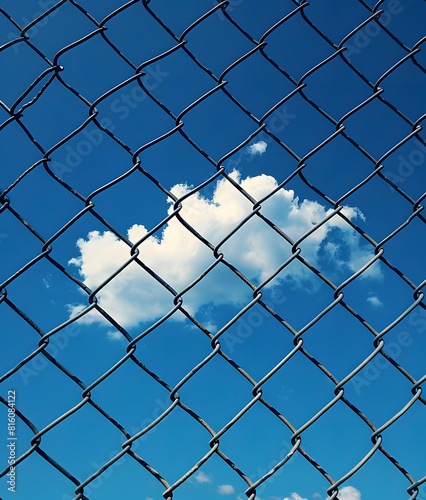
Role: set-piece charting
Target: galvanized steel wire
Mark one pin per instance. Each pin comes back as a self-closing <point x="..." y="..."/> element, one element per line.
<point x="219" y="82"/>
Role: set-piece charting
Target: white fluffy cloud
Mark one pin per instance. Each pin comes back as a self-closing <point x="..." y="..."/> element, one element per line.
<point x="134" y="297"/>
<point x="346" y="493"/>
<point x="226" y="489"/>
<point x="258" y="148"/>
<point x="295" y="496"/>
<point x="201" y="478"/>
<point x="349" y="493"/>
<point x="115" y="335"/>
<point x="375" y="301"/>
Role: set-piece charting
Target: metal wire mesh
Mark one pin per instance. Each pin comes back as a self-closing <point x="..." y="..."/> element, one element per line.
<point x="145" y="76"/>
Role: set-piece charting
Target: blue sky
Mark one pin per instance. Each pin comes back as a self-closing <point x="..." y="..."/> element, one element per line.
<point x="132" y="120"/>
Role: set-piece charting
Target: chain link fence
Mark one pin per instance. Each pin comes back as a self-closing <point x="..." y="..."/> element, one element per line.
<point x="300" y="52"/>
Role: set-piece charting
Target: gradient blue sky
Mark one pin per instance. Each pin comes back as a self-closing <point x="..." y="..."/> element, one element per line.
<point x="339" y="440"/>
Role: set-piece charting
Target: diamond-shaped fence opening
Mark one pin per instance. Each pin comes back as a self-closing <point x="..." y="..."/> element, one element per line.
<point x="212" y="233"/>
